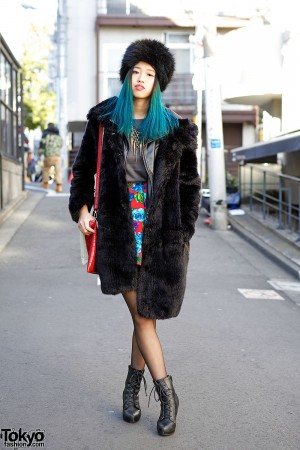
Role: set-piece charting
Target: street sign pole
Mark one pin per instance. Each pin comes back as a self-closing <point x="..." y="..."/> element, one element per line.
<point x="61" y="87"/>
<point x="199" y="85"/>
<point x="214" y="131"/>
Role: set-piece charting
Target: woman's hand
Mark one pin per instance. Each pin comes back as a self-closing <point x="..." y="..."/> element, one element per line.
<point x="84" y="220"/>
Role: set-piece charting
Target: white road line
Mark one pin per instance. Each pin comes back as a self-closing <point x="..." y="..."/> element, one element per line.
<point x="262" y="294"/>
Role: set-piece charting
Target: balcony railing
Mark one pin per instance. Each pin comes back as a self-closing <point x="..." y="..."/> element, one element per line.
<point x="275" y="196"/>
<point x="180" y="91"/>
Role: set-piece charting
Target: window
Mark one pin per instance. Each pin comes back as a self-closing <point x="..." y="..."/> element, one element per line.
<point x="9" y="115"/>
<point x="180" y="91"/>
<point x="116" y="7"/>
<point x="111" y="63"/>
<point x="179" y="44"/>
<point x="5" y="81"/>
<point x="178" y="38"/>
<point x="14" y="90"/>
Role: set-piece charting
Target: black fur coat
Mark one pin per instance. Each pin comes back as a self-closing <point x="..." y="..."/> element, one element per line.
<point x="171" y="216"/>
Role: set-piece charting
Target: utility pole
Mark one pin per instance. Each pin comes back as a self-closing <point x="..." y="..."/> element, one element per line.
<point x="214" y="128"/>
<point x="199" y="86"/>
<point x="61" y="85"/>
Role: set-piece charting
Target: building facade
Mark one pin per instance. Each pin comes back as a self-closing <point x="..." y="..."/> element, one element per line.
<point x="98" y="34"/>
<point x="11" y="136"/>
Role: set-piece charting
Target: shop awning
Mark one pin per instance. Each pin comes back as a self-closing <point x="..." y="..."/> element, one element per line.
<point x="265" y="151"/>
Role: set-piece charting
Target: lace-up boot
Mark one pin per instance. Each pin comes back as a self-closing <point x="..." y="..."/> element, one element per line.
<point x="166" y="423"/>
<point x="131" y="404"/>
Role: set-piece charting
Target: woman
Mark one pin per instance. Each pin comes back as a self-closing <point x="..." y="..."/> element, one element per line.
<point x="148" y="205"/>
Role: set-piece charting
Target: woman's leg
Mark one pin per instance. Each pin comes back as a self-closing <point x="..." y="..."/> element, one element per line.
<point x="137" y="360"/>
<point x="146" y="340"/>
<point x="146" y="348"/>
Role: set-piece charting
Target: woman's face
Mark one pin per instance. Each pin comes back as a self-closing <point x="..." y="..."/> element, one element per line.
<point x="143" y="78"/>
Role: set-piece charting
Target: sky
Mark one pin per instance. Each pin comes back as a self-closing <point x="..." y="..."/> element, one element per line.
<point x="16" y="17"/>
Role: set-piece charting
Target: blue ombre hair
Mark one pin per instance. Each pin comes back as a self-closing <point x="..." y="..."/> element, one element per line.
<point x="159" y="122"/>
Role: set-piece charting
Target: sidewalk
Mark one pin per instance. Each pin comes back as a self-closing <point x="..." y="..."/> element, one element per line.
<point x="65" y="347"/>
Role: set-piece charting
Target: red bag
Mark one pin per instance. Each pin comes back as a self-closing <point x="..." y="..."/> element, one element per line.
<point x="91" y="241"/>
<point x="91" y="245"/>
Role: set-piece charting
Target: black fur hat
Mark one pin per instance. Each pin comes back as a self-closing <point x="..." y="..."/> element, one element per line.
<point x="152" y="52"/>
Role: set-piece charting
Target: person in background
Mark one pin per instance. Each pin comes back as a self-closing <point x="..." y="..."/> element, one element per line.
<point x="50" y="146"/>
<point x="26" y="152"/>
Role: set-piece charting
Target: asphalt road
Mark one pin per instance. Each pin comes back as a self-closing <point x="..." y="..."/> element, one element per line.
<point x="65" y="347"/>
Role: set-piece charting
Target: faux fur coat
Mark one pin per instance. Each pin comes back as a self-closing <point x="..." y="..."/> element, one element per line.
<point x="172" y="213"/>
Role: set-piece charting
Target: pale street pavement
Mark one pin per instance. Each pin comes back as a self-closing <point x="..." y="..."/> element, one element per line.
<point x="65" y="347"/>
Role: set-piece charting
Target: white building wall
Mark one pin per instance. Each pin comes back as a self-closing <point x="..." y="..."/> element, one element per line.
<point x="248" y="134"/>
<point x="291" y="106"/>
<point x="291" y="86"/>
<point x="251" y="63"/>
<point x="81" y="58"/>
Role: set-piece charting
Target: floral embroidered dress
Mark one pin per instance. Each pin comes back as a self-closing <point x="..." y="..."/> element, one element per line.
<point x="138" y="202"/>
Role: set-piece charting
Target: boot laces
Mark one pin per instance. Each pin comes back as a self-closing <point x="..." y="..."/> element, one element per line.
<point x="132" y="389"/>
<point x="165" y="397"/>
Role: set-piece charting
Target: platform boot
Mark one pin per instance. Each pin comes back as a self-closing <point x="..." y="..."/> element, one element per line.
<point x="169" y="401"/>
<point x="131" y="404"/>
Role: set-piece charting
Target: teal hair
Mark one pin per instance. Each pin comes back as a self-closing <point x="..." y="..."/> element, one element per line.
<point x="159" y="122"/>
<point x="122" y="114"/>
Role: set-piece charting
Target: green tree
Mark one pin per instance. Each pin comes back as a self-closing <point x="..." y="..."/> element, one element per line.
<point x="39" y="100"/>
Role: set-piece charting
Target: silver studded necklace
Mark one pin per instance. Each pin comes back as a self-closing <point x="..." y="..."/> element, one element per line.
<point x="135" y="142"/>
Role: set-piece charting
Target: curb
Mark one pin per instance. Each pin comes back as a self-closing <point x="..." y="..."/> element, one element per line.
<point x="18" y="213"/>
<point x="271" y="252"/>
<point x="6" y="212"/>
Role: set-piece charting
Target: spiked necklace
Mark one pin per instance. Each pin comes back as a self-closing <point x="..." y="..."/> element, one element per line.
<point x="135" y="142"/>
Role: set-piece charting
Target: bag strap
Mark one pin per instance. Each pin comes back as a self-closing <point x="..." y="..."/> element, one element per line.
<point x="97" y="187"/>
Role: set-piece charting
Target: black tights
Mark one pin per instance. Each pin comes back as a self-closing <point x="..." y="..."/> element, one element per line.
<point x="146" y="347"/>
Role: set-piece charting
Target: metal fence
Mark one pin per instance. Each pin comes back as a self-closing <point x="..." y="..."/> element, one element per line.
<point x="273" y="195"/>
